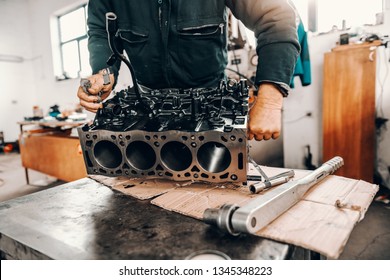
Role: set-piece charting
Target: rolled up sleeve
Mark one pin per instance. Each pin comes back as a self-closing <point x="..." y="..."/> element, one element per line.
<point x="274" y="25"/>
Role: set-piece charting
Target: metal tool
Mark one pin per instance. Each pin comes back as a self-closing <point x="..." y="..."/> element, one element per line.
<point x="86" y="83"/>
<point x="272" y="182"/>
<point x="268" y="181"/>
<point x="106" y="76"/>
<point x="254" y="178"/>
<point x="258" y="168"/>
<point x="260" y="212"/>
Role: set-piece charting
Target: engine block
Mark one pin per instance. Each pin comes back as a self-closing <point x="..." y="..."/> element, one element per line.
<point x="181" y="134"/>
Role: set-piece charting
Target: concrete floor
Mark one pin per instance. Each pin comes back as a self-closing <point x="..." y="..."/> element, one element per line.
<point x="370" y="240"/>
<point x="13" y="180"/>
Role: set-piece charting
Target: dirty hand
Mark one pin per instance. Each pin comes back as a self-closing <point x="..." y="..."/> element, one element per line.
<point x="91" y="100"/>
<point x="265" y="116"/>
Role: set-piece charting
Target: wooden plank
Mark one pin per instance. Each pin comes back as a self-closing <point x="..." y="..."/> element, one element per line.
<point x="356" y="46"/>
<point x="55" y="155"/>
<point x="53" y="123"/>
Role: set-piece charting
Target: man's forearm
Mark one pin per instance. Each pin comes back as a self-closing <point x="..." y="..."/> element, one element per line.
<point x="98" y="46"/>
<point x="274" y="25"/>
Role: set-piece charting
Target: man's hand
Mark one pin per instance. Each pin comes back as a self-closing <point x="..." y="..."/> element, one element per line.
<point x="265" y="116"/>
<point x="91" y="100"/>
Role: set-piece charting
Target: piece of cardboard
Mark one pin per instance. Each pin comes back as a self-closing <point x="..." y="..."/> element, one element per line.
<point x="319" y="227"/>
<point x="195" y="199"/>
<point x="322" y="221"/>
<point x="139" y="188"/>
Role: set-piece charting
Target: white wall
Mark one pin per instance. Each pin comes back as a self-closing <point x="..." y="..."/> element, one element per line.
<point x="383" y="98"/>
<point x="299" y="132"/>
<point x="49" y="91"/>
<point x="17" y="88"/>
<point x="25" y="31"/>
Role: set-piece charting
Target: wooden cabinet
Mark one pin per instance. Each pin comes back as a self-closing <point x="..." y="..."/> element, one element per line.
<point x="53" y="152"/>
<point x="349" y="109"/>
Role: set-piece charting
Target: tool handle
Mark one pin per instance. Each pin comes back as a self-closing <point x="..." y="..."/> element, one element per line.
<point x="334" y="163"/>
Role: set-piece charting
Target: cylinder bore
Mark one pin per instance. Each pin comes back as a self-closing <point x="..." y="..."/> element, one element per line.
<point x="176" y="156"/>
<point x="107" y="154"/>
<point x="141" y="155"/>
<point x="214" y="157"/>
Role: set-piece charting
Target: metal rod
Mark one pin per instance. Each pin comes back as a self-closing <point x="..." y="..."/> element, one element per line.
<point x="111" y="28"/>
<point x="258" y="168"/>
<point x="260" y="186"/>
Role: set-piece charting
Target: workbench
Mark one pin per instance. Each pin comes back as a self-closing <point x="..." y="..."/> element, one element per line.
<point x="49" y="147"/>
<point x="84" y="219"/>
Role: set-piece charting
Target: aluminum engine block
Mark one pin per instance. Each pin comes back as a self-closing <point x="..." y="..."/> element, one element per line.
<point x="191" y="134"/>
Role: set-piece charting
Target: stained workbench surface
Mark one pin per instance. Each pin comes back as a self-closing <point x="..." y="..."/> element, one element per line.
<point x="86" y="220"/>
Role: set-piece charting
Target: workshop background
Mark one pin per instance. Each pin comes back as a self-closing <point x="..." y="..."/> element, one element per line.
<point x="27" y="29"/>
<point x="30" y="75"/>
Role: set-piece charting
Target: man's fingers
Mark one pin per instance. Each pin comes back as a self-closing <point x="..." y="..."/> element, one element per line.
<point x="96" y="84"/>
<point x="259" y="137"/>
<point x="275" y="135"/>
<point x="86" y="97"/>
<point x="95" y="88"/>
<point x="92" y="107"/>
<point x="107" y="88"/>
<point x="267" y="136"/>
<point x="96" y="92"/>
<point x="263" y="136"/>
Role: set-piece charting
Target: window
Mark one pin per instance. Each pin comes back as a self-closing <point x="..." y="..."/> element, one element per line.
<point x="72" y="33"/>
<point x="324" y="15"/>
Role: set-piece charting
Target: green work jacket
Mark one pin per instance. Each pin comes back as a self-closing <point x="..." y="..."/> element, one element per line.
<point x="183" y="43"/>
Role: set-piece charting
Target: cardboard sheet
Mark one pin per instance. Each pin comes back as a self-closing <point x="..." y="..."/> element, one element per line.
<point x="138" y="188"/>
<point x="322" y="221"/>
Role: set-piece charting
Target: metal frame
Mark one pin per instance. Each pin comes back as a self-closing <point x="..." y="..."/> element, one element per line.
<point x="78" y="39"/>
